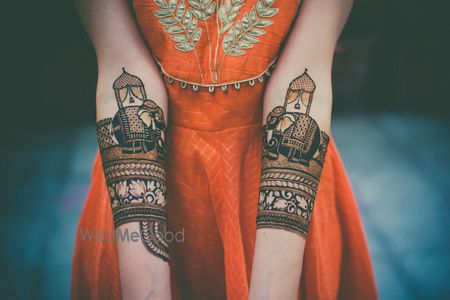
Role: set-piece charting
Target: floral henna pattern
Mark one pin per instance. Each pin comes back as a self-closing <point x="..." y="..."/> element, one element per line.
<point x="294" y="150"/>
<point x="137" y="191"/>
<point x="133" y="150"/>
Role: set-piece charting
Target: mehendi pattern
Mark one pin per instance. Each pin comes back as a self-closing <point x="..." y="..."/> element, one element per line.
<point x="153" y="236"/>
<point x="294" y="150"/>
<point x="133" y="150"/>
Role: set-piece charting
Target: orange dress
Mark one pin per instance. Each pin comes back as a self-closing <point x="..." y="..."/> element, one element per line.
<point x="215" y="57"/>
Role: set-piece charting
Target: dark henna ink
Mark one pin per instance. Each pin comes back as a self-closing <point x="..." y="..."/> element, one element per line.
<point x="294" y="150"/>
<point x="153" y="235"/>
<point x="133" y="150"/>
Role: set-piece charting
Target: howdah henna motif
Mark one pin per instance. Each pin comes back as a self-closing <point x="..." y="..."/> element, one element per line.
<point x="133" y="150"/>
<point x="294" y="150"/>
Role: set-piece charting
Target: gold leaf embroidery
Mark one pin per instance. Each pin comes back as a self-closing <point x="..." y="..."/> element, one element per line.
<point x="228" y="12"/>
<point x="202" y="9"/>
<point x="180" y="23"/>
<point x="244" y="33"/>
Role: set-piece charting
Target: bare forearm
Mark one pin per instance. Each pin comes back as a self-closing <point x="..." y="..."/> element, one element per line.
<point x="297" y="113"/>
<point x="289" y="183"/>
<point x="131" y="118"/>
<point x="132" y="140"/>
<point x="112" y="30"/>
<point x="295" y="144"/>
<point x="117" y="41"/>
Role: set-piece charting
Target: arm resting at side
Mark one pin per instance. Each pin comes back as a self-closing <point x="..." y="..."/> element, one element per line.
<point x="131" y="118"/>
<point x="296" y="125"/>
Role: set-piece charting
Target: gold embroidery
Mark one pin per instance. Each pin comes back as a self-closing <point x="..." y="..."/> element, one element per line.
<point x="227" y="12"/>
<point x="203" y="9"/>
<point x="244" y="33"/>
<point x="181" y="23"/>
<point x="225" y="16"/>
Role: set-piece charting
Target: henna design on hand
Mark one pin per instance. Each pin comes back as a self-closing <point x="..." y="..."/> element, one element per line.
<point x="294" y="150"/>
<point x="133" y="150"/>
<point x="153" y="236"/>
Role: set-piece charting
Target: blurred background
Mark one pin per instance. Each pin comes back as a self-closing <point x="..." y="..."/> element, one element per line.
<point x="391" y="123"/>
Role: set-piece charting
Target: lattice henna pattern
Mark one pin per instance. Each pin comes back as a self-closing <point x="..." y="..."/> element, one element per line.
<point x="294" y="150"/>
<point x="104" y="134"/>
<point x="133" y="150"/>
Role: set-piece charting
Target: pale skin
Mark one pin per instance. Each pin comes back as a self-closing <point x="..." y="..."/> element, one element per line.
<point x="311" y="44"/>
<point x="278" y="257"/>
<point x="118" y="44"/>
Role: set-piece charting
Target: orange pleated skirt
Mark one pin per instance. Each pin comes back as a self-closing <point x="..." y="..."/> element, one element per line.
<point x="213" y="198"/>
<point x="214" y="166"/>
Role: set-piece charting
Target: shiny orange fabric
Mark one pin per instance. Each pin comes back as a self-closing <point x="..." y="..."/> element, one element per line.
<point x="213" y="177"/>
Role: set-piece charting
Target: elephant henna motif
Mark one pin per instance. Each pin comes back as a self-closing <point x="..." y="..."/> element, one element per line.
<point x="294" y="150"/>
<point x="133" y="149"/>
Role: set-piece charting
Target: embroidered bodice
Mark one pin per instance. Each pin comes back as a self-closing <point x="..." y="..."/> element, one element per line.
<point x="215" y="43"/>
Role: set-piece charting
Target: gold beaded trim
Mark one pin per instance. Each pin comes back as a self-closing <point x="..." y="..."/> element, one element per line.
<point x="212" y="87"/>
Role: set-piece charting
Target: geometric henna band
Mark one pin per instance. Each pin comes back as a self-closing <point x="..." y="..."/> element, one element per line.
<point x="138" y="212"/>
